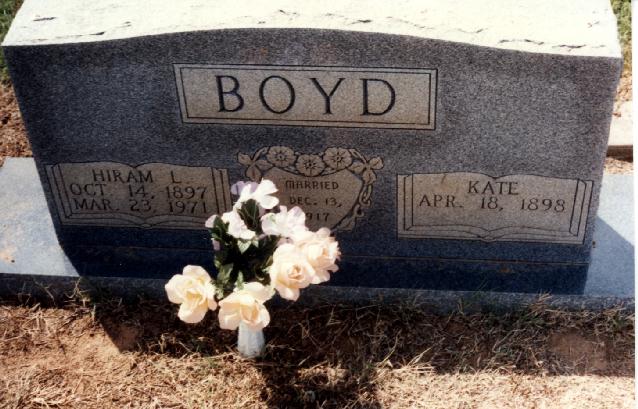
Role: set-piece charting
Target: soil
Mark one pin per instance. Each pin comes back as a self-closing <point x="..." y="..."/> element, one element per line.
<point x="108" y="355"/>
<point x="13" y="140"/>
<point x="625" y="87"/>
<point x="615" y="165"/>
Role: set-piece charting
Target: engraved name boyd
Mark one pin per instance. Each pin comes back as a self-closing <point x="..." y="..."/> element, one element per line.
<point x="305" y="95"/>
<point x="480" y="207"/>
<point x="149" y="195"/>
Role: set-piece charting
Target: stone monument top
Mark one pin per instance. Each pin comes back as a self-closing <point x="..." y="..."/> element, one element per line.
<point x="541" y="26"/>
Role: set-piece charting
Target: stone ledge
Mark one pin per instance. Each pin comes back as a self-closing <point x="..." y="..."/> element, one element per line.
<point x="56" y="290"/>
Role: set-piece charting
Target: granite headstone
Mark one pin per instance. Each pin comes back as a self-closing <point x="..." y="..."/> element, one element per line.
<point x="449" y="145"/>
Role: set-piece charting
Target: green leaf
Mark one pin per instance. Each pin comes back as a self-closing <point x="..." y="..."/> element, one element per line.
<point x="249" y="213"/>
<point x="243" y="245"/>
<point x="267" y="264"/>
<point x="219" y="290"/>
<point x="239" y="284"/>
<point x="223" y="273"/>
<point x="219" y="224"/>
<point x="220" y="229"/>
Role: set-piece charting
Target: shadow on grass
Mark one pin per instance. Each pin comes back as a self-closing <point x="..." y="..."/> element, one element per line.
<point x="343" y="355"/>
<point x="322" y="357"/>
<point x="330" y="356"/>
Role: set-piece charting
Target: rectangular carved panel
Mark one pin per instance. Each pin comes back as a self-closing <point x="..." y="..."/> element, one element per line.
<point x="474" y="206"/>
<point x="153" y="195"/>
<point x="307" y="96"/>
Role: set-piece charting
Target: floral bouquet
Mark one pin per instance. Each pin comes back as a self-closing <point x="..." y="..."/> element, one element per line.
<point x="257" y="252"/>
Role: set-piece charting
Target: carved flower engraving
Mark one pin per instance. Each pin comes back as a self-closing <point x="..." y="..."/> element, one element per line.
<point x="366" y="169"/>
<point x="254" y="164"/>
<point x="310" y="165"/>
<point x="281" y="156"/>
<point x="337" y="158"/>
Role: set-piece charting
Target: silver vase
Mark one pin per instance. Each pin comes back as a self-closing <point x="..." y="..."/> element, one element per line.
<point x="250" y="344"/>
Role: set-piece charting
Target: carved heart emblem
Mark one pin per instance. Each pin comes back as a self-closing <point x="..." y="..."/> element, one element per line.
<point x="333" y="188"/>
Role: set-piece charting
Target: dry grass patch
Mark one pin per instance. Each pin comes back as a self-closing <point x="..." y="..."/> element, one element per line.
<point x="13" y="137"/>
<point x="108" y="355"/>
<point x="619" y="166"/>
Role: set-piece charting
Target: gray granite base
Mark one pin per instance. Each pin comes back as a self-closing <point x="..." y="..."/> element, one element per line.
<point x="33" y="265"/>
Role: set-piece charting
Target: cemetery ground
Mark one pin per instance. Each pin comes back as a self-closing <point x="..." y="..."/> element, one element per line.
<point x="102" y="353"/>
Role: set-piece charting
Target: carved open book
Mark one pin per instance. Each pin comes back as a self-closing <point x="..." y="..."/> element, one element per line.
<point x="474" y="206"/>
<point x="157" y="195"/>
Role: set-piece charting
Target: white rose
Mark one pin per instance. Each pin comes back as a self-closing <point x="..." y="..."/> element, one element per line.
<point x="236" y="188"/>
<point x="210" y="222"/>
<point x="195" y="292"/>
<point x="247" y="306"/>
<point x="285" y="223"/>
<point x="290" y="271"/>
<point x="261" y="193"/>
<point x="321" y="250"/>
<point x="236" y="226"/>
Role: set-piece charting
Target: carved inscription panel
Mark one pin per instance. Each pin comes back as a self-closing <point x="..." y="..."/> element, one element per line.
<point x="306" y="95"/>
<point x="156" y="195"/>
<point x="479" y="207"/>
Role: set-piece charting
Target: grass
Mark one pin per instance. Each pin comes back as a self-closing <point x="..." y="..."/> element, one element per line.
<point x="109" y="355"/>
<point x="622" y="9"/>
<point x="8" y="8"/>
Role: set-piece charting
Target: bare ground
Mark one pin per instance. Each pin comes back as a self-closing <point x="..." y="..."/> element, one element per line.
<point x="625" y="87"/>
<point x="107" y="355"/>
<point x="13" y="138"/>
<point x="615" y="165"/>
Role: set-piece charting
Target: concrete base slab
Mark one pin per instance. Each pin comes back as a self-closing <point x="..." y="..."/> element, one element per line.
<point x="32" y="263"/>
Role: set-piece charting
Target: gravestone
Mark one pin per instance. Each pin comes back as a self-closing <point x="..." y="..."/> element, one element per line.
<point x="449" y="145"/>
